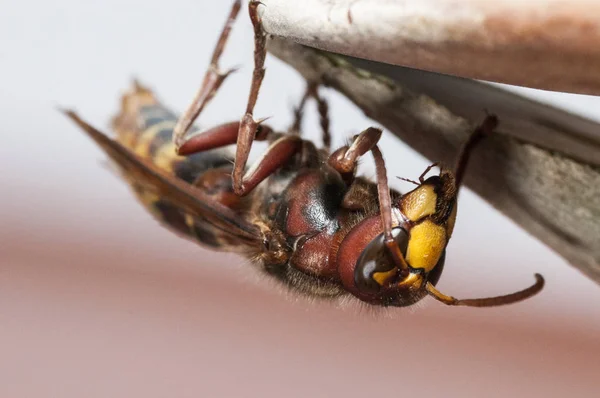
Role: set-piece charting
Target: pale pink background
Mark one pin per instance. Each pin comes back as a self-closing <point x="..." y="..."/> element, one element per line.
<point x="96" y="300"/>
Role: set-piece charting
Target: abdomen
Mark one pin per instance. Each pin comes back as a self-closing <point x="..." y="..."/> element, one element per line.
<point x="145" y="126"/>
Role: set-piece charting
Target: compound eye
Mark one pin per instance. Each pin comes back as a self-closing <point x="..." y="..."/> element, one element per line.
<point x="375" y="264"/>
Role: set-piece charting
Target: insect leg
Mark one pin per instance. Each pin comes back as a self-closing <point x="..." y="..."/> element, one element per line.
<point x="278" y="154"/>
<point x="281" y="149"/>
<point x="385" y="206"/>
<point x="323" y="108"/>
<point x="296" y="127"/>
<point x="431" y="166"/>
<point x="487" y="127"/>
<point x="213" y="79"/>
<point x="220" y="136"/>
<point x="345" y="160"/>
<point x="249" y="126"/>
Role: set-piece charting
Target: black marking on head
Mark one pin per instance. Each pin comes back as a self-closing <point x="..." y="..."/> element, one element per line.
<point x="434" y="275"/>
<point x="445" y="190"/>
<point x="376" y="258"/>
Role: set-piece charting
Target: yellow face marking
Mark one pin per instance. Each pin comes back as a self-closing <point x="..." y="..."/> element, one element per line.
<point x="382" y="277"/>
<point x="419" y="203"/>
<point x="142" y="146"/>
<point x="425" y="245"/>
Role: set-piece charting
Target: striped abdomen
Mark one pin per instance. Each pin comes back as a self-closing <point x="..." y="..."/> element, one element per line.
<point x="145" y="127"/>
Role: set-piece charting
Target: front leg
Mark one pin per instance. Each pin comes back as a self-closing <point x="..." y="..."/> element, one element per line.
<point x="345" y="160"/>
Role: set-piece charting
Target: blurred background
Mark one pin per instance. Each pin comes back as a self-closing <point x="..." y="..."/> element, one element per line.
<point x="97" y="300"/>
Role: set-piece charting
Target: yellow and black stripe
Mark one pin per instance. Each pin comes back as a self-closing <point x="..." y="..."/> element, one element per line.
<point x="145" y="127"/>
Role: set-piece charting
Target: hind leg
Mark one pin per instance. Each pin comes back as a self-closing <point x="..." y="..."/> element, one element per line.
<point x="249" y="126"/>
<point x="323" y="109"/>
<point x="213" y="79"/>
<point x="281" y="150"/>
<point x="296" y="127"/>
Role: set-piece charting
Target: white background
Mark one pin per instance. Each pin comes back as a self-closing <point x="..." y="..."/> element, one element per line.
<point x="96" y="300"/>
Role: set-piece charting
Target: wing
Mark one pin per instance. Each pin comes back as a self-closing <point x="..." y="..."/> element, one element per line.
<point x="178" y="192"/>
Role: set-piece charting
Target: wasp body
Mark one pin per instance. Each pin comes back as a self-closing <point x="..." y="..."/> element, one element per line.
<point x="300" y="211"/>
